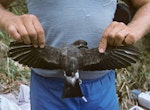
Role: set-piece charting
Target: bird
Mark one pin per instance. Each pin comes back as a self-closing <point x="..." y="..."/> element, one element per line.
<point x="73" y="58"/>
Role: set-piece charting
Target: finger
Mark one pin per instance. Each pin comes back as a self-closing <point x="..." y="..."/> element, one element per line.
<point x="31" y="33"/>
<point x="13" y="32"/>
<point x="40" y="32"/>
<point x="103" y="41"/>
<point x="130" y="39"/>
<point x="112" y="36"/>
<point x="120" y="37"/>
<point x="24" y="34"/>
<point x="115" y="37"/>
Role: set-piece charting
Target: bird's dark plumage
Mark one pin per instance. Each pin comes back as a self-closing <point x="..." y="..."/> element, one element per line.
<point x="73" y="58"/>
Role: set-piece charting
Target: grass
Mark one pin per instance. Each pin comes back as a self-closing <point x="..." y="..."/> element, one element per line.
<point x="11" y="74"/>
<point x="135" y="77"/>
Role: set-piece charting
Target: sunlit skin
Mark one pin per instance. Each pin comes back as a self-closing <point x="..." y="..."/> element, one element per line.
<point x="117" y="32"/>
<point x="28" y="29"/>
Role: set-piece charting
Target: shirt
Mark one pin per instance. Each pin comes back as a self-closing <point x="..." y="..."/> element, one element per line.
<point x="65" y="21"/>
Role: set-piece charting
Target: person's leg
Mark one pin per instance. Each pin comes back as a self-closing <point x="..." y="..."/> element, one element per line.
<point x="100" y="94"/>
<point x="46" y="94"/>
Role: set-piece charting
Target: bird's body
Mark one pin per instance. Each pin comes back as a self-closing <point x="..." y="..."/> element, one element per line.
<point x="70" y="61"/>
<point x="73" y="58"/>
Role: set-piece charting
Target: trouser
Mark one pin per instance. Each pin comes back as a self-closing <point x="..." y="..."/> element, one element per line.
<point x="100" y="94"/>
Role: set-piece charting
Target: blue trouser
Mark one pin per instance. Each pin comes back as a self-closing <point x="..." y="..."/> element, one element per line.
<point x="46" y="94"/>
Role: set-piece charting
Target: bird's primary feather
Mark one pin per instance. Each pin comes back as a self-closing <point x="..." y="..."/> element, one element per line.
<point x="113" y="58"/>
<point x="45" y="58"/>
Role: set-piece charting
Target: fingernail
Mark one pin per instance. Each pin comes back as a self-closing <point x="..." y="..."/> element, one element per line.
<point x="35" y="46"/>
<point x="101" y="50"/>
<point x="42" y="46"/>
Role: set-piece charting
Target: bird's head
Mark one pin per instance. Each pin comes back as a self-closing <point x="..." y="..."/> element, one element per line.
<point x="80" y="44"/>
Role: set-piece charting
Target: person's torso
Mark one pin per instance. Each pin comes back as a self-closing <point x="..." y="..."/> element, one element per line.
<point x="65" y="21"/>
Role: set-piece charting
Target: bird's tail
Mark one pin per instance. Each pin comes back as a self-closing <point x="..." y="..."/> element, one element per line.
<point x="71" y="91"/>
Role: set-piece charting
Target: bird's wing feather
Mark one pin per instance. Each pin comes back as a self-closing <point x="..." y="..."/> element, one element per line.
<point x="113" y="58"/>
<point x="45" y="58"/>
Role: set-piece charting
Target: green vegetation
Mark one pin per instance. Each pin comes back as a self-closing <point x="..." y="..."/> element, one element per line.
<point x="134" y="77"/>
<point x="11" y="73"/>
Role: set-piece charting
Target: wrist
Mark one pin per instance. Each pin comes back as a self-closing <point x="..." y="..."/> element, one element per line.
<point x="138" y="29"/>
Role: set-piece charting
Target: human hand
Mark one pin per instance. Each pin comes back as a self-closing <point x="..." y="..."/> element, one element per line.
<point x="118" y="33"/>
<point x="26" y="28"/>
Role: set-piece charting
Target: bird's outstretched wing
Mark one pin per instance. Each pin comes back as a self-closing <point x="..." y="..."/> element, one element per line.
<point x="45" y="58"/>
<point x="113" y="58"/>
